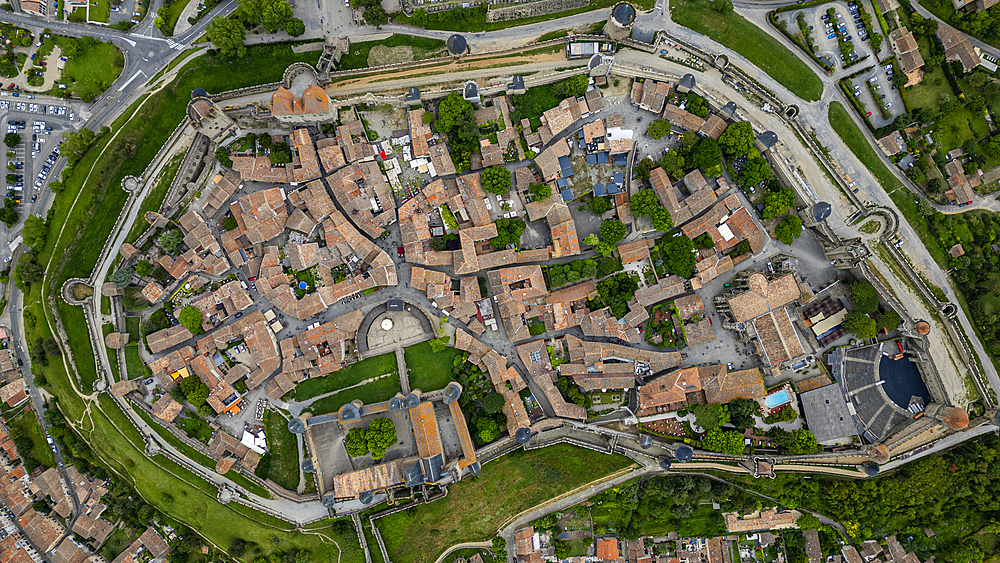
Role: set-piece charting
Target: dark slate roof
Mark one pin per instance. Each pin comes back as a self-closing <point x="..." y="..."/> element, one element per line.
<point x="457" y="44"/>
<point x="826" y="414"/>
<point x="623" y="13"/>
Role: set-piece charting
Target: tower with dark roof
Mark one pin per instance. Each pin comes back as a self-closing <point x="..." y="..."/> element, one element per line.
<point x="620" y="21"/>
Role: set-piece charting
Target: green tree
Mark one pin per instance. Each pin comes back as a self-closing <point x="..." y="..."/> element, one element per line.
<point x="727" y="442"/>
<point x="777" y="203"/>
<point x="864" y="296"/>
<point x="612" y="230"/>
<point x="658" y="128"/>
<point x="143" y="268"/>
<point x="493" y="403"/>
<point x="704" y="240"/>
<point x="28" y="270"/>
<point x="170" y="240"/>
<point x="805" y="443"/>
<point x="742" y="411"/>
<point x="788" y="229"/>
<point x="755" y="170"/>
<point x="206" y="411"/>
<point x="356" y="443"/>
<point x="227" y="35"/>
<point x="604" y="248"/>
<point x="888" y="320"/>
<point x="194" y="390"/>
<point x="451" y="111"/>
<point x="509" y="232"/>
<point x="859" y="324"/>
<point x="599" y="205"/>
<point x="190" y="317"/>
<point x="34" y="232"/>
<point x="496" y="180"/>
<point x="538" y="190"/>
<point x="122" y="277"/>
<point x="376" y="15"/>
<point x="711" y="416"/>
<point x="487" y="427"/>
<point x="381" y="436"/>
<point x="11" y="139"/>
<point x="680" y="256"/>
<point x="591" y="239"/>
<point x="574" y="86"/>
<point x="644" y="203"/>
<point x="737" y="139"/>
<point x="229" y="223"/>
<point x="706" y="153"/>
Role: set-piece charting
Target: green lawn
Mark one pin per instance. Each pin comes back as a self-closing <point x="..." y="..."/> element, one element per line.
<point x="132" y="326"/>
<point x="155" y="197"/>
<point x="100" y="10"/>
<point x="284" y="452"/>
<point x="423" y="48"/>
<point x="429" y="370"/>
<point x="200" y="458"/>
<point x="904" y="200"/>
<point x="112" y="353"/>
<point x="952" y="130"/>
<point x="133" y="363"/>
<point x="350" y="375"/>
<point x="735" y="32"/>
<point x="193" y="426"/>
<point x="476" y="508"/>
<point x="374" y="392"/>
<point x="93" y="68"/>
<point x="174" y="10"/>
<point x="852" y="137"/>
<point x="927" y="94"/>
<point x="26" y="421"/>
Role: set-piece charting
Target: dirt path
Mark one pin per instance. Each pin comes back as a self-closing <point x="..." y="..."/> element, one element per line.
<point x="485" y="63"/>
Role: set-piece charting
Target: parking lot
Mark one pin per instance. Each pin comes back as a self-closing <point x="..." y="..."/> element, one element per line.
<point x="830" y="33"/>
<point x="125" y="11"/>
<point x="876" y="91"/>
<point x="35" y="160"/>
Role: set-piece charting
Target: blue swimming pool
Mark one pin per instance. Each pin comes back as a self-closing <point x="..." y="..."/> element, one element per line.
<point x="776" y="399"/>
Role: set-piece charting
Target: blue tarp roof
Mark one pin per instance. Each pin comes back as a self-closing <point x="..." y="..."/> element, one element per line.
<point x="599" y="189"/>
<point x="562" y="183"/>
<point x="619" y="177"/>
<point x="621" y="159"/>
<point x="567" y="194"/>
<point x="612" y="189"/>
<point x="564" y="162"/>
<point x="591" y="159"/>
<point x="567" y="172"/>
<point x="602" y="158"/>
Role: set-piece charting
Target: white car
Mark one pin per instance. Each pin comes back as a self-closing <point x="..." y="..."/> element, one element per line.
<point x="873" y="79"/>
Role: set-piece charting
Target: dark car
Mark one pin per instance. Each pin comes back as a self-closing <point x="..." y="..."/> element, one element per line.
<point x="33" y="198"/>
<point x="20" y="362"/>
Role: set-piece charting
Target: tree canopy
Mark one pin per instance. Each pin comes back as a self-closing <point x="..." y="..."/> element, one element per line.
<point x="888" y="320"/>
<point x="860" y="324"/>
<point x="658" y="128"/>
<point x="381" y="435"/>
<point x="737" y="139"/>
<point x="122" y="277"/>
<point x="539" y="191"/>
<point x="777" y="203"/>
<point x="788" y="229"/>
<point x="493" y="402"/>
<point x="227" y="35"/>
<point x="755" y="170"/>
<point x="864" y="296"/>
<point x="711" y="416"/>
<point x="194" y="390"/>
<point x="742" y="411"/>
<point x="706" y="154"/>
<point x="356" y="443"/>
<point x="612" y="230"/>
<point x="170" y="240"/>
<point x="190" y="317"/>
<point x="11" y="139"/>
<point x="34" y="232"/>
<point x="727" y="442"/>
<point x="496" y="180"/>
<point x="509" y="231"/>
<point x="680" y="258"/>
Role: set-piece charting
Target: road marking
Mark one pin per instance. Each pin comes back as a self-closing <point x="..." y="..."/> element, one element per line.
<point x="129" y="41"/>
<point x="129" y="81"/>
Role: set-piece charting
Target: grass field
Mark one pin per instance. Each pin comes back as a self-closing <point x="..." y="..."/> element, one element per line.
<point x="852" y="137"/>
<point x="26" y="421"/>
<point x="350" y="375"/>
<point x="429" y="370"/>
<point x="100" y="10"/>
<point x="423" y="48"/>
<point x="284" y="452"/>
<point x="155" y="198"/>
<point x="953" y="129"/>
<point x="174" y="10"/>
<point x="93" y="68"/>
<point x="475" y="509"/>
<point x="374" y="392"/>
<point x="133" y="363"/>
<point x="735" y="32"/>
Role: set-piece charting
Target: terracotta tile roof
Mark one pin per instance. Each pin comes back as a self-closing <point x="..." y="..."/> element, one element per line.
<point x="425" y="430"/>
<point x="777" y="337"/>
<point x="634" y="251"/>
<point x="375" y="478"/>
<point x="607" y="549"/>
<point x="724" y="386"/>
<point x="713" y="127"/>
<point x="654" y="95"/>
<point x="762" y="296"/>
<point x="669" y="388"/>
<point x="548" y="160"/>
<point x="167" y="338"/>
<point x="167" y="409"/>
<point x="419" y="133"/>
